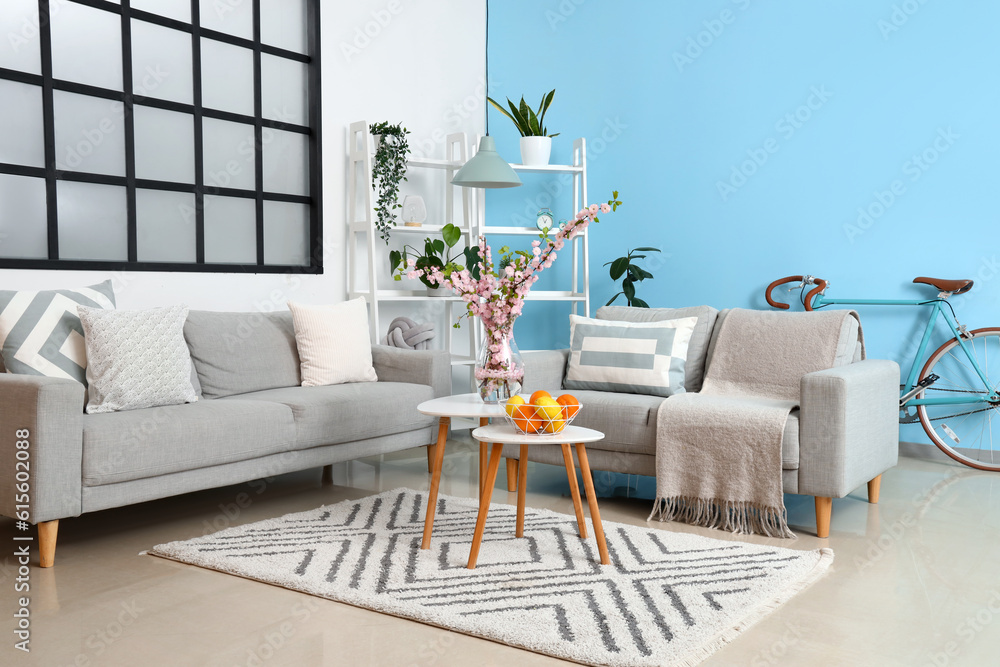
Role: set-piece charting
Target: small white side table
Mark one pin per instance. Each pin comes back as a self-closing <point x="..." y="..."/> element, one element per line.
<point x="444" y="408"/>
<point x="505" y="434"/>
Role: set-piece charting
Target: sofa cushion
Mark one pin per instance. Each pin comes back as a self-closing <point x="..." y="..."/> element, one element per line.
<point x="236" y="353"/>
<point x="122" y="446"/>
<point x="628" y="422"/>
<point x="694" y="367"/>
<point x="332" y="414"/>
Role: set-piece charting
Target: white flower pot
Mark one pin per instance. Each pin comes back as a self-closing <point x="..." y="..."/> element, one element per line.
<point x="535" y="150"/>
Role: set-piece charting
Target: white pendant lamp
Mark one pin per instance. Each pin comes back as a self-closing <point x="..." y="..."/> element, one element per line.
<point x="487" y="169"/>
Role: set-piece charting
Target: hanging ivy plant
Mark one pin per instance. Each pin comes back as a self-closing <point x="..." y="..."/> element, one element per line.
<point x="388" y="171"/>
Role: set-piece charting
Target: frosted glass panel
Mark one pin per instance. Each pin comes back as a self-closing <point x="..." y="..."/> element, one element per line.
<point x="20" y="50"/>
<point x="92" y="221"/>
<point x="230" y="230"/>
<point x="90" y="134"/>
<point x="23" y="219"/>
<point x="21" y="117"/>
<point x="283" y="24"/>
<point x="286" y="233"/>
<point x="229" y="154"/>
<point x="161" y="63"/>
<point x="165" y="226"/>
<point x="226" y="77"/>
<point x="86" y="45"/>
<point x="175" y="9"/>
<point x="284" y="90"/>
<point x="230" y="16"/>
<point x="286" y="162"/>
<point x="164" y="145"/>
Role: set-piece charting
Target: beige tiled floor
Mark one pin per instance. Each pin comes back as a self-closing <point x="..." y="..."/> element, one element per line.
<point x="915" y="577"/>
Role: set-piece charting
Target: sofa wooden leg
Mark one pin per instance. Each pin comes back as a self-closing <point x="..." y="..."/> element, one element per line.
<point x="47" y="532"/>
<point x="874" y="487"/>
<point x="511" y="475"/>
<point x="824" y="508"/>
<point x="327" y="475"/>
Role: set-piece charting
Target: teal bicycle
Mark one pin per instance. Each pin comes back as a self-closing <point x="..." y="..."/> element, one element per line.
<point x="954" y="392"/>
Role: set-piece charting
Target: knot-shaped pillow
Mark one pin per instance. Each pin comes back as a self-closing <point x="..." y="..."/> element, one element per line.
<point x="407" y="334"/>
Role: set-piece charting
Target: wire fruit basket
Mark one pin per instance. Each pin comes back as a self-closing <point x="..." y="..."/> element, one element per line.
<point x="540" y="420"/>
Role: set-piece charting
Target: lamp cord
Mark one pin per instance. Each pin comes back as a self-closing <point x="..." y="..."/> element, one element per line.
<point x="487" y="103"/>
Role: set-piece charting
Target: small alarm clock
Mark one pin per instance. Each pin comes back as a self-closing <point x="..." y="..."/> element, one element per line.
<point x="544" y="221"/>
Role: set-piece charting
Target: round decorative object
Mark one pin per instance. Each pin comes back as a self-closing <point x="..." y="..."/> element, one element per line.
<point x="414" y="211"/>
<point x="407" y="334"/>
<point x="528" y="419"/>
<point x="544" y="220"/>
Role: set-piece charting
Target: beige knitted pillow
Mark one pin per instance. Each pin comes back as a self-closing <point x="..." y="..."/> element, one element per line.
<point x="333" y="342"/>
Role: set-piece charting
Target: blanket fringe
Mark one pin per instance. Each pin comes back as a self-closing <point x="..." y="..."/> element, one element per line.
<point x="744" y="518"/>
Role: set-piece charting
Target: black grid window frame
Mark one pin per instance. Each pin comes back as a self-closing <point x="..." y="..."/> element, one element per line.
<point x="51" y="174"/>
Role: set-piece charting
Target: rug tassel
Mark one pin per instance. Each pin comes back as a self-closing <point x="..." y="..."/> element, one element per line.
<point x="738" y="517"/>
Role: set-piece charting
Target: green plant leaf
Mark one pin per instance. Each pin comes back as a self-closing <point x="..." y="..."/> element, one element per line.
<point x="520" y="122"/>
<point x="439" y="246"/>
<point x="533" y="123"/>
<point x="451" y="235"/>
<point x="647" y="249"/>
<point x="629" y="289"/>
<point x="544" y="106"/>
<point x="618" y="267"/>
<point x="613" y="299"/>
<point x="639" y="303"/>
<point x="641" y="272"/>
<point x="395" y="258"/>
<point x="500" y="108"/>
<point x="427" y="263"/>
<point x="526" y="114"/>
<point x="429" y="248"/>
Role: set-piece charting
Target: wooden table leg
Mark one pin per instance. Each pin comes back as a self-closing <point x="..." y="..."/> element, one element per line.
<point x="483" y="458"/>
<point x="522" y="484"/>
<point x="511" y="475"/>
<point x="444" y="424"/>
<point x="484" y="503"/>
<point x="574" y="489"/>
<point x="595" y="513"/>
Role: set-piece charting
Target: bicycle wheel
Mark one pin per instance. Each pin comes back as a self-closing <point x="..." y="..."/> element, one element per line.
<point x="964" y="431"/>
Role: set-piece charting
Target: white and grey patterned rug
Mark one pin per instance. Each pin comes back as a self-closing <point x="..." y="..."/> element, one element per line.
<point x="666" y="599"/>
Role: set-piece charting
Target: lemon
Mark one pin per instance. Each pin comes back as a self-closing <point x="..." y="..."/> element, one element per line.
<point x="511" y="405"/>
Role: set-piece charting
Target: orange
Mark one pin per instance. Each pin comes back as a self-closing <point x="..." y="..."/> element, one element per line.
<point x="525" y="419"/>
<point x="570" y="405"/>
<point x="539" y="394"/>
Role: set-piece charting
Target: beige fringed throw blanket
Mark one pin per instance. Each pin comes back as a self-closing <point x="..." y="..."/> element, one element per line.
<point x="718" y="452"/>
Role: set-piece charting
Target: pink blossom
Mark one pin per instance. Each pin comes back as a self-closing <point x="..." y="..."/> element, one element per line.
<point x="605" y="208"/>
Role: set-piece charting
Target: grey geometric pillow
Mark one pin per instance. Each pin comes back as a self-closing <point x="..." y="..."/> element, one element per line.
<point x="41" y="334"/>
<point x="137" y="358"/>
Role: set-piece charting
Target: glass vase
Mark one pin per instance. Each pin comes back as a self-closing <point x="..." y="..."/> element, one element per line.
<point x="499" y="369"/>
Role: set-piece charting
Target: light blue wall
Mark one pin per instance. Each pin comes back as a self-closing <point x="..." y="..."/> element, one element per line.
<point x="667" y="131"/>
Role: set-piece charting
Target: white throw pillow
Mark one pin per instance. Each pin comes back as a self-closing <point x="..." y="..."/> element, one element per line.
<point x="136" y="358"/>
<point x="334" y="343"/>
<point x="628" y="357"/>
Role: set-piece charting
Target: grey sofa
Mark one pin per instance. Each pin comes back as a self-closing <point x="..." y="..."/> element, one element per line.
<point x="252" y="420"/>
<point x="845" y="433"/>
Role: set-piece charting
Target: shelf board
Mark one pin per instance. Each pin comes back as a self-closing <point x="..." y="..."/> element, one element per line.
<point x="433" y="163"/>
<point x="547" y="168"/>
<point x="554" y="295"/>
<point x="518" y="231"/>
<point x="424" y="229"/>
<point x="420" y="295"/>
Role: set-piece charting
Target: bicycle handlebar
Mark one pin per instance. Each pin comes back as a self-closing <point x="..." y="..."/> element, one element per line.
<point x="804" y="280"/>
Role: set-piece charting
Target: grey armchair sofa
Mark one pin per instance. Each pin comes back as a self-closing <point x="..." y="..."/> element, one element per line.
<point x="845" y="433"/>
<point x="252" y="420"/>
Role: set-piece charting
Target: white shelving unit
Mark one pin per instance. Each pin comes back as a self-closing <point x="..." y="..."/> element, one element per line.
<point x="364" y="271"/>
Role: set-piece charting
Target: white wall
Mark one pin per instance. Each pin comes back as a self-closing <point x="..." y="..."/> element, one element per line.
<point x="405" y="61"/>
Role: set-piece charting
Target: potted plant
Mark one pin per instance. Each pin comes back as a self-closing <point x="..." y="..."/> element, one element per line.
<point x="626" y="266"/>
<point x="435" y="257"/>
<point x="388" y="171"/>
<point x="536" y="142"/>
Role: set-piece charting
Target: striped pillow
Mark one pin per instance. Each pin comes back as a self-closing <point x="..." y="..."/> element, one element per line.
<point x="629" y="357"/>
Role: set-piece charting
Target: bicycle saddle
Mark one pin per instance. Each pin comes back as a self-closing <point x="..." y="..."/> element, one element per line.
<point x="953" y="286"/>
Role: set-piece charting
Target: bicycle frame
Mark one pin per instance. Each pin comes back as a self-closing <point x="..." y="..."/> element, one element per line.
<point x="936" y="306"/>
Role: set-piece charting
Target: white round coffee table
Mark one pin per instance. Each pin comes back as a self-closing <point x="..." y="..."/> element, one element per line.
<point x="505" y="434"/>
<point x="444" y="408"/>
